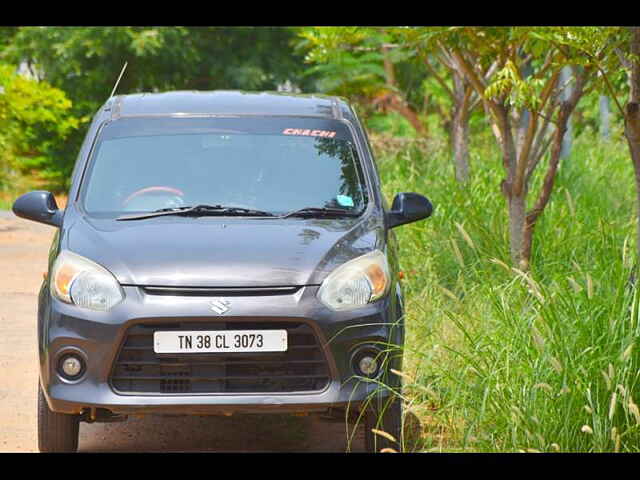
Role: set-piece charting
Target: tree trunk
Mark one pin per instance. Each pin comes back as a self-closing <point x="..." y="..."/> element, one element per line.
<point x="460" y="129"/>
<point x="567" y="140"/>
<point x="604" y="117"/>
<point x="516" y="201"/>
<point x="460" y="144"/>
<point x="632" y="119"/>
<point x="517" y="217"/>
<point x="518" y="161"/>
<point x="635" y="157"/>
<point x="632" y="132"/>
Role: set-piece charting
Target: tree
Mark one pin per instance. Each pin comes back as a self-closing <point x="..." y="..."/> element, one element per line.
<point x="522" y="110"/>
<point x="632" y="111"/>
<point x="608" y="49"/>
<point x="464" y="99"/>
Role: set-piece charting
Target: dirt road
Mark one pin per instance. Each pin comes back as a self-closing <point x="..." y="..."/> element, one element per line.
<point x="23" y="258"/>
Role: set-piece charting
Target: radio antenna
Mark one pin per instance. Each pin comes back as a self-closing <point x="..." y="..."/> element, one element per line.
<point x="119" y="77"/>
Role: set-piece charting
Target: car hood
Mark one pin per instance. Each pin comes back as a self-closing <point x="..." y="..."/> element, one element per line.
<point x="215" y="252"/>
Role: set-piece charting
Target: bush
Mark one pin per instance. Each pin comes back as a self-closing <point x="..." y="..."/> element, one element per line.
<point x="35" y="121"/>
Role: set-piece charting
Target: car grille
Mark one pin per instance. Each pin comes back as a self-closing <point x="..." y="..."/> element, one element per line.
<point x="139" y="370"/>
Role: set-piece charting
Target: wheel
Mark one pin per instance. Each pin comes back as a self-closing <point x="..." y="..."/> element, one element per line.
<point x="385" y="417"/>
<point x="57" y="432"/>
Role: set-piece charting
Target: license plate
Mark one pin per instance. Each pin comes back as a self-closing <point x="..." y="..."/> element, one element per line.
<point x="216" y="341"/>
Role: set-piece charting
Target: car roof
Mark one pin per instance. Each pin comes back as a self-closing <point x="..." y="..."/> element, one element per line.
<point x="226" y="102"/>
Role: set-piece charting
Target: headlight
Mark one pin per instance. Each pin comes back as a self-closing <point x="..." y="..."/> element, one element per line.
<point x="82" y="282"/>
<point x="356" y="283"/>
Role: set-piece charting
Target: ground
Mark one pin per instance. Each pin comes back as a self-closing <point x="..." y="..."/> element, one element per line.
<point x="23" y="259"/>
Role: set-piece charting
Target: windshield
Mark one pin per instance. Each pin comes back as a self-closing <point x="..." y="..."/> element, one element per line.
<point x="271" y="164"/>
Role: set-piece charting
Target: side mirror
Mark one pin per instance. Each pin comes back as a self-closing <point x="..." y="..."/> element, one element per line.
<point x="407" y="208"/>
<point x="39" y="206"/>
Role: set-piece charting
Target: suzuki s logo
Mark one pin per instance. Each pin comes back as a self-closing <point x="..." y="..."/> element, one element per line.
<point x="219" y="306"/>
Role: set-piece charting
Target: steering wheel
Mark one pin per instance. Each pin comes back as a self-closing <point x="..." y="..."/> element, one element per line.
<point x="155" y="189"/>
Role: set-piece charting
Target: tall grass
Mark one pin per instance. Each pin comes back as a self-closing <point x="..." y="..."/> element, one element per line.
<point x="500" y="360"/>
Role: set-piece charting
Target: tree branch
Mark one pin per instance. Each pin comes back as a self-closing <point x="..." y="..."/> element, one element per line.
<point x="478" y="83"/>
<point x="548" y="89"/>
<point x="445" y="56"/>
<point x="438" y="78"/>
<point x="477" y="99"/>
<point x="490" y="71"/>
<point x="623" y="59"/>
<point x="612" y="92"/>
<point x="539" y="153"/>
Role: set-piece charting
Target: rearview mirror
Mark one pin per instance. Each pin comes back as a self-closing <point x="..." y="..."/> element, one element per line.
<point x="39" y="206"/>
<point x="407" y="208"/>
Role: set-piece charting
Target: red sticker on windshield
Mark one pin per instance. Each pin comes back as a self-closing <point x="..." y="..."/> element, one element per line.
<point x="309" y="133"/>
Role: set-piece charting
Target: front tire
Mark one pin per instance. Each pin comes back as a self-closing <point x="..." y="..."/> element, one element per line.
<point x="57" y="432"/>
<point x="386" y="417"/>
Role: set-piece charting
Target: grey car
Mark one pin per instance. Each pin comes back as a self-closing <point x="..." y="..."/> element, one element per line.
<point x="221" y="253"/>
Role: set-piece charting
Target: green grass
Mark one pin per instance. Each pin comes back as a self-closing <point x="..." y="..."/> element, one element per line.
<point x="505" y="362"/>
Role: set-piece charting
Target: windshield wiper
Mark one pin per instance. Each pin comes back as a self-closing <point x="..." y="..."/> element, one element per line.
<point x="200" y="210"/>
<point x="321" y="211"/>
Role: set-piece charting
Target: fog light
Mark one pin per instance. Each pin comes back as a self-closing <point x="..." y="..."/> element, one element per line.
<point x="368" y="365"/>
<point x="71" y="366"/>
<point x="366" y="362"/>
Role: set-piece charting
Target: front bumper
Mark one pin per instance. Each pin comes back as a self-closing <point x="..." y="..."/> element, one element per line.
<point x="98" y="335"/>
